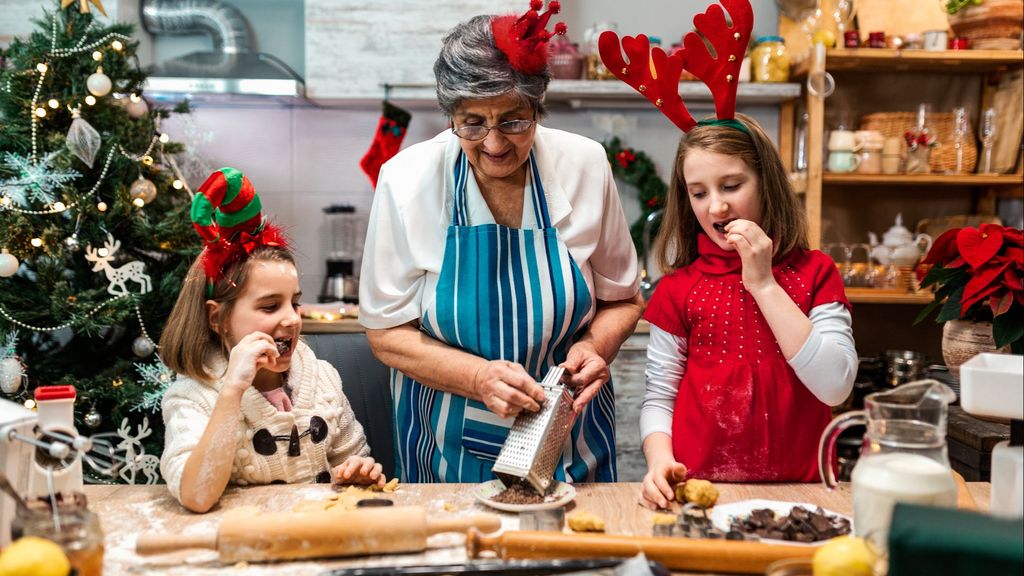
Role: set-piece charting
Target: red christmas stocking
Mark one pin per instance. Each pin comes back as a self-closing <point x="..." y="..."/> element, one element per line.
<point x="386" y="141"/>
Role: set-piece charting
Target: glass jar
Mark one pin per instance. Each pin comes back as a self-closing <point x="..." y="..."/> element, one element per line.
<point x="770" y="60"/>
<point x="79" y="532"/>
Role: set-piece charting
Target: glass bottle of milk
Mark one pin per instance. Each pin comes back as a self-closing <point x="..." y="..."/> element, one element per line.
<point x="903" y="458"/>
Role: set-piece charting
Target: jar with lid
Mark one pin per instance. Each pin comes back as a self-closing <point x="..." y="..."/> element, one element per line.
<point x="871" y="143"/>
<point x="73" y="527"/>
<point x="770" y="60"/>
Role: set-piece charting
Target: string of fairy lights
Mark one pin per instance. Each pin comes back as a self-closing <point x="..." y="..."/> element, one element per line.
<point x="141" y="192"/>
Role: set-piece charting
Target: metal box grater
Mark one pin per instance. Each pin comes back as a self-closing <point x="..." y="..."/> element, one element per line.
<point x="535" y="442"/>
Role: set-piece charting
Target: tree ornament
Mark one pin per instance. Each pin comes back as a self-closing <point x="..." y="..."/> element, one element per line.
<point x="136" y="106"/>
<point x="143" y="347"/>
<point x="83" y="140"/>
<point x="135" y="457"/>
<point x="34" y="180"/>
<point x="83" y="5"/>
<point x="119" y="276"/>
<point x="11" y="373"/>
<point x="142" y="189"/>
<point x="8" y="264"/>
<point x="72" y="242"/>
<point x="98" y="84"/>
<point x="92" y="418"/>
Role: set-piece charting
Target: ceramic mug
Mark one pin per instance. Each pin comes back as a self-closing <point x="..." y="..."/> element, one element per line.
<point x="935" y="40"/>
<point x="843" y="141"/>
<point x="843" y="161"/>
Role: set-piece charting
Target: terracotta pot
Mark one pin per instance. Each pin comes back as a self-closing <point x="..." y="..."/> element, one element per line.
<point x="963" y="340"/>
<point x="991" y="25"/>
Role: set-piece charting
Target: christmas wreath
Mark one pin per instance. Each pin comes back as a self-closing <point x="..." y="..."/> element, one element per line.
<point x="636" y="168"/>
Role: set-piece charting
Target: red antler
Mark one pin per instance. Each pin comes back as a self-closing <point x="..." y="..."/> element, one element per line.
<point x="721" y="70"/>
<point x="660" y="86"/>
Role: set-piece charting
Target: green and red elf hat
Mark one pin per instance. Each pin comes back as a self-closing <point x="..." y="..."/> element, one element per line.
<point x="524" y="39"/>
<point x="228" y="215"/>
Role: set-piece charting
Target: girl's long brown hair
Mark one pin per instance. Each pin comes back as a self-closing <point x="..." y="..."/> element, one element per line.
<point x="188" y="337"/>
<point x="782" y="217"/>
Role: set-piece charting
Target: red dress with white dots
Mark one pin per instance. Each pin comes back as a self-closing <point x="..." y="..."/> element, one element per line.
<point x="741" y="414"/>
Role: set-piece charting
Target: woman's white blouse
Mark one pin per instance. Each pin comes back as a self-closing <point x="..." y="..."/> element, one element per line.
<point x="412" y="210"/>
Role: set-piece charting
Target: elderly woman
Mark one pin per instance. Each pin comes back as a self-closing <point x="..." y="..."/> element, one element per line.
<point x="495" y="251"/>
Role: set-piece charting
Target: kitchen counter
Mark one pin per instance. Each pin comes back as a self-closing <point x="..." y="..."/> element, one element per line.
<point x="125" y="511"/>
<point x="347" y="325"/>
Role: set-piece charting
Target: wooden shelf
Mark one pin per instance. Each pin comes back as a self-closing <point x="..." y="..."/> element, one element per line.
<point x="924" y="179"/>
<point x="580" y="93"/>
<point x="947" y="61"/>
<point x="876" y="296"/>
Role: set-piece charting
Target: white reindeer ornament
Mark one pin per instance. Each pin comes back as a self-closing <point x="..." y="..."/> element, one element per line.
<point x="133" y="270"/>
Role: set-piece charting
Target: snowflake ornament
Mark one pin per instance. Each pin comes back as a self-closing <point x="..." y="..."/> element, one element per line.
<point x="34" y="181"/>
<point x="157" y="377"/>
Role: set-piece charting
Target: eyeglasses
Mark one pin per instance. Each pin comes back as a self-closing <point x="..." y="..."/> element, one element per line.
<point x="479" y="131"/>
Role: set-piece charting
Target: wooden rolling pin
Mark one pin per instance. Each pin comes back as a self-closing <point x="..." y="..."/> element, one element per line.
<point x="730" y="556"/>
<point x="289" y="536"/>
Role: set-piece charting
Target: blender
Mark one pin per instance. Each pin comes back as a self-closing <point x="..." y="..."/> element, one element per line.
<point x="341" y="283"/>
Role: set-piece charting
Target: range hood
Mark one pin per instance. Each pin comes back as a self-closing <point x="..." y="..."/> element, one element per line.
<point x="233" y="68"/>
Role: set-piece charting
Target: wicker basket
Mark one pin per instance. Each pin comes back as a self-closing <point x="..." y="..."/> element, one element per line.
<point x="942" y="124"/>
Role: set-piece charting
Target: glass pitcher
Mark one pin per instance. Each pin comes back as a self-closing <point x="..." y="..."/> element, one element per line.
<point x="903" y="457"/>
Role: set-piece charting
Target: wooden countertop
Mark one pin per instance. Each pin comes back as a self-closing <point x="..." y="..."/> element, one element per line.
<point x="126" y="511"/>
<point x="349" y="325"/>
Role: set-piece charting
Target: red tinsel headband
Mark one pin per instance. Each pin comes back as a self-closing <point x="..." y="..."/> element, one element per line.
<point x="524" y="39"/>
<point x="655" y="74"/>
<point x="227" y="213"/>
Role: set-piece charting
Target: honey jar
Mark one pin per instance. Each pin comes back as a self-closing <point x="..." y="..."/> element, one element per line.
<point x="770" y="60"/>
<point x="73" y="527"/>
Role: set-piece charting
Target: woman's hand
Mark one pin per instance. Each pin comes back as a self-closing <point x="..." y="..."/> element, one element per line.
<point x="507" y="389"/>
<point x="756" y="250"/>
<point x="359" y="470"/>
<point x="587" y="373"/>
<point x="252" y="353"/>
<point x="658" y="488"/>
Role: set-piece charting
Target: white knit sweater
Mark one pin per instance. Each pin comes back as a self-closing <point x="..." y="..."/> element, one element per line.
<point x="316" y="396"/>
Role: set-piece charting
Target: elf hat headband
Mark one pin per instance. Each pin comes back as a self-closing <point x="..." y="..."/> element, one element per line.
<point x="524" y="39"/>
<point x="227" y="213"/>
<point x="656" y="75"/>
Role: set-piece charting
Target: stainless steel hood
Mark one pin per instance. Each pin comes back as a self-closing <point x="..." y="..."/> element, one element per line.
<point x="233" y="67"/>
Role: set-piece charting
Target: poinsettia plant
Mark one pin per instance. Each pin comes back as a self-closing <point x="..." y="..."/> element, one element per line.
<point x="979" y="275"/>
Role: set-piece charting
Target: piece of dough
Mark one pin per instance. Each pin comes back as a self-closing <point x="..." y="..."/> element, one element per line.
<point x="243" y="512"/>
<point x="662" y="519"/>
<point x="584" y="521"/>
<point x="701" y="492"/>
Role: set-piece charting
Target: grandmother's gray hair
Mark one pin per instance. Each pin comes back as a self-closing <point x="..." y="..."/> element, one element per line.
<point x="470" y="67"/>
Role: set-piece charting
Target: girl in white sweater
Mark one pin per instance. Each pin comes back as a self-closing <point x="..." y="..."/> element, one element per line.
<point x="251" y="404"/>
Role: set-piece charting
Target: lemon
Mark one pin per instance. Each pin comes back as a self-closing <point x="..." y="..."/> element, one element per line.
<point x="31" y="556"/>
<point x="824" y="36"/>
<point x="844" y="556"/>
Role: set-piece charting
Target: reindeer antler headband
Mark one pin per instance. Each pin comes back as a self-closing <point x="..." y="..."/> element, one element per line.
<point x="524" y="39"/>
<point x="227" y="213"/>
<point x="655" y="74"/>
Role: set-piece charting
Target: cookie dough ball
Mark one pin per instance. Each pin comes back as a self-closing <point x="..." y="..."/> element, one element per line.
<point x="584" y="521"/>
<point x="700" y="492"/>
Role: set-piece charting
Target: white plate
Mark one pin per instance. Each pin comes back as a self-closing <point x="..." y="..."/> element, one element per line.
<point x="561" y="495"/>
<point x="722" y="515"/>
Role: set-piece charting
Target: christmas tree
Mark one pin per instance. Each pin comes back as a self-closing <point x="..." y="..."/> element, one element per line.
<point x="94" y="222"/>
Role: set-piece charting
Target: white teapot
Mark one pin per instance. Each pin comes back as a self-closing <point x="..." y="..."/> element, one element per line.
<point x="899" y="245"/>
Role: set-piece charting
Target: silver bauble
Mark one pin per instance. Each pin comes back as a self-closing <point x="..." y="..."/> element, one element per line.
<point x="143" y="347"/>
<point x="11" y="373"/>
<point x="92" y="419"/>
<point x="99" y="83"/>
<point x="8" y="264"/>
<point x="72" y="242"/>
<point x="143" y="189"/>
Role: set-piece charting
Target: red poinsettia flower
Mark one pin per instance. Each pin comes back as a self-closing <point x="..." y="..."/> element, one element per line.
<point x="979" y="275"/>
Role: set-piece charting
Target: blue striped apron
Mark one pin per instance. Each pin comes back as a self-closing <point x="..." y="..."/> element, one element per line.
<point x="502" y="294"/>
